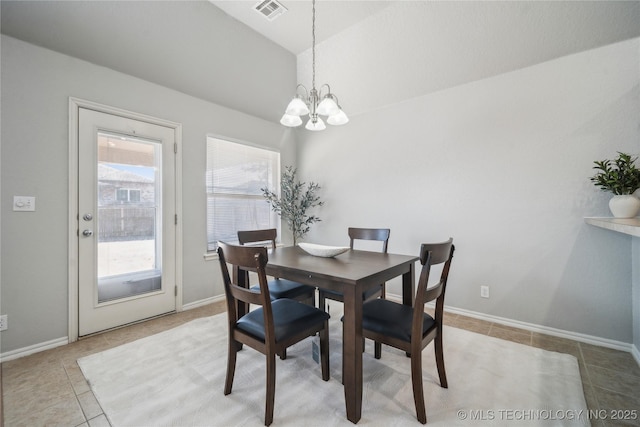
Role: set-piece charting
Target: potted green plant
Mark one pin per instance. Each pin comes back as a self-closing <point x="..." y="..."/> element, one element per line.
<point x="620" y="177"/>
<point x="293" y="203"/>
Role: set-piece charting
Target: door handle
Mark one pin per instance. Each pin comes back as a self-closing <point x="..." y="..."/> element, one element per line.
<point x="87" y="233"/>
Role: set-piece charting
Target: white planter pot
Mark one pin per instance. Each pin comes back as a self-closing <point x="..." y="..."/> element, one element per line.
<point x="624" y="206"/>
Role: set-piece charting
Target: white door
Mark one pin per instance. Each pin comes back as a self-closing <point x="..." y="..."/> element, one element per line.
<point x="126" y="220"/>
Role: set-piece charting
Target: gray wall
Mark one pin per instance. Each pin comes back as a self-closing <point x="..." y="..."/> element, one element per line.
<point x="190" y="46"/>
<point x="502" y="166"/>
<point x="36" y="86"/>
<point x="635" y="294"/>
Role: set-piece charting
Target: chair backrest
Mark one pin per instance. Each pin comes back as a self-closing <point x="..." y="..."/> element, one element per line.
<point x="245" y="258"/>
<point x="379" y="234"/>
<point x="433" y="254"/>
<point x="254" y="236"/>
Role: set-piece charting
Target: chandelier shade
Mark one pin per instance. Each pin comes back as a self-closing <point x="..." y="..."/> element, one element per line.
<point x="338" y="119"/>
<point x="314" y="102"/>
<point x="328" y="107"/>
<point x="316" y="125"/>
<point x="291" y="120"/>
<point x="297" y="107"/>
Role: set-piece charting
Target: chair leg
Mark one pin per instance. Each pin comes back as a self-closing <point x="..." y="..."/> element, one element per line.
<point x="231" y="365"/>
<point x="324" y="351"/>
<point x="283" y="355"/>
<point x="416" y="381"/>
<point x="440" y="360"/>
<point x="271" y="389"/>
<point x="321" y="301"/>
<point x="377" y="352"/>
<point x="312" y="299"/>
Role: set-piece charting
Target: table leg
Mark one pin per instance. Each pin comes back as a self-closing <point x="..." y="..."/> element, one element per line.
<point x="352" y="352"/>
<point x="409" y="286"/>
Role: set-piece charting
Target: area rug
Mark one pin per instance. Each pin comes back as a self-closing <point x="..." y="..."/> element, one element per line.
<point x="176" y="378"/>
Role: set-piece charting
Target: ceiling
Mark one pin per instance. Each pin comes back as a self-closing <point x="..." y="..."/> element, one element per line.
<point x="292" y="29"/>
<point x="373" y="53"/>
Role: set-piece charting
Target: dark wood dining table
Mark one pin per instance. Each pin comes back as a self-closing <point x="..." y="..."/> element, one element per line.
<point x="351" y="273"/>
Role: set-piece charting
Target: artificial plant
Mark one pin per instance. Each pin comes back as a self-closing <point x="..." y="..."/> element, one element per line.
<point x="619" y="176"/>
<point x="294" y="202"/>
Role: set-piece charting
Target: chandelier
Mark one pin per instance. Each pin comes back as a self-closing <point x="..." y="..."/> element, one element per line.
<point x="313" y="102"/>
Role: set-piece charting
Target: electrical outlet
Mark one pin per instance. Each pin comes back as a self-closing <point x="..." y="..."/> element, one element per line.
<point x="484" y="291"/>
<point x="4" y="322"/>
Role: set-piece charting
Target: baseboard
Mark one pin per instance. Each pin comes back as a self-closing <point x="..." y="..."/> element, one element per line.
<point x="203" y="302"/>
<point x="576" y="336"/>
<point x="36" y="348"/>
<point x="588" y="339"/>
<point x="635" y="353"/>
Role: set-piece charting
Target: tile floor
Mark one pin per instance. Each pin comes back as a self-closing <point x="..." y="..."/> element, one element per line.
<point x="48" y="388"/>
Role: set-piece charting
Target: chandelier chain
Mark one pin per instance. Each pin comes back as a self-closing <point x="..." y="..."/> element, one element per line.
<point x="313" y="102"/>
<point x="313" y="44"/>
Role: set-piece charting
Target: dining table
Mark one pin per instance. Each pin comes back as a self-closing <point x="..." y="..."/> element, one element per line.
<point x="351" y="273"/>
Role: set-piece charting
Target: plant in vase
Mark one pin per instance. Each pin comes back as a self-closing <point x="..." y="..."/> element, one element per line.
<point x="620" y="177"/>
<point x="294" y="202"/>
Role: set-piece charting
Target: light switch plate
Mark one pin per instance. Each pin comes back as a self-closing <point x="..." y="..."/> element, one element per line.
<point x="24" y="203"/>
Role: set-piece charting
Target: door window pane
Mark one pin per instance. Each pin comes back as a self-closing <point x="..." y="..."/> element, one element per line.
<point x="129" y="261"/>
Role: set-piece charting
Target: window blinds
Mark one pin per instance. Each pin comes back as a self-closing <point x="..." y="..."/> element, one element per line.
<point x="234" y="178"/>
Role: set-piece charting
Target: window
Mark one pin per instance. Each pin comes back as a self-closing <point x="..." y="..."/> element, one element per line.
<point x="127" y="195"/>
<point x="235" y="174"/>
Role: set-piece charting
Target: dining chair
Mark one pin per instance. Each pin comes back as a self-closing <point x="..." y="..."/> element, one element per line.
<point x="278" y="288"/>
<point x="410" y="328"/>
<point x="270" y="328"/>
<point x="371" y="234"/>
<point x="379" y="234"/>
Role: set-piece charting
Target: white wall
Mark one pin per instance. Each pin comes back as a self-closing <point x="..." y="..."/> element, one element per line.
<point x="36" y="86"/>
<point x="502" y="166"/>
<point x="412" y="48"/>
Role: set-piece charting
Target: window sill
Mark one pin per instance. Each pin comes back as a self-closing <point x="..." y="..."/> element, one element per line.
<point x="211" y="256"/>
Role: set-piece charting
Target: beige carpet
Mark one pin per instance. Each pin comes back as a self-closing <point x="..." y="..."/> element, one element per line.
<point x="176" y="378"/>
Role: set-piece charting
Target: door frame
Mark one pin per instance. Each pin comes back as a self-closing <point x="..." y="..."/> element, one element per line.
<point x="73" y="226"/>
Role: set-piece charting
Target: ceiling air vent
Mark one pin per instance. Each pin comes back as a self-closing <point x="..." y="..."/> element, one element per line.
<point x="270" y="9"/>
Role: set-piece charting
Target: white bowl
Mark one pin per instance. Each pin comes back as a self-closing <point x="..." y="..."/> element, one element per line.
<point x="322" y="250"/>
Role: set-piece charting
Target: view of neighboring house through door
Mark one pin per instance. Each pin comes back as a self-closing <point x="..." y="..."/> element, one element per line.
<point x="126" y="219"/>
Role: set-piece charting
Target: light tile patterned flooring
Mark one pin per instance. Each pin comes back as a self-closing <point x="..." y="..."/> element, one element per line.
<point x="48" y="388"/>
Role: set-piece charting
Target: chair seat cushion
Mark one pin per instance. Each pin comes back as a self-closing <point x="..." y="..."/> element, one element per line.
<point x="282" y="288"/>
<point x="289" y="317"/>
<point x="392" y="319"/>
<point x="340" y="297"/>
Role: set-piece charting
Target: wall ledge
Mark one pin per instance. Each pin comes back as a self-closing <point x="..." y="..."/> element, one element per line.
<point x="629" y="226"/>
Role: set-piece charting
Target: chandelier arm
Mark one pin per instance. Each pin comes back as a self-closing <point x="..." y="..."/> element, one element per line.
<point x="306" y="92"/>
<point x="335" y="98"/>
<point x="322" y="87"/>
